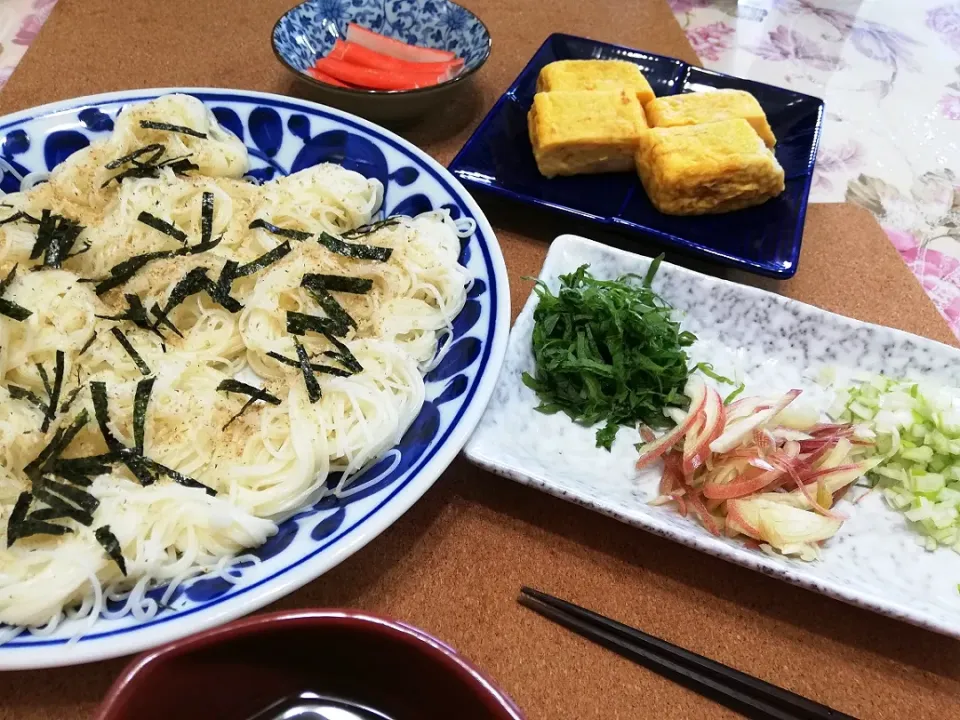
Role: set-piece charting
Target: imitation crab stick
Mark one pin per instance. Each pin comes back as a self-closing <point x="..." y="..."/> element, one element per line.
<point x="375" y="79"/>
<point x="324" y="78"/>
<point x="359" y="55"/>
<point x="395" y="48"/>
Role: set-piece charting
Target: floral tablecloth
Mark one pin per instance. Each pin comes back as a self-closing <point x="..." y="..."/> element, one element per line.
<point x="20" y="21"/>
<point x="889" y="71"/>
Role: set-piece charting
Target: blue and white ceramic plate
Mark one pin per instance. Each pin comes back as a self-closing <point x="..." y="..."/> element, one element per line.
<point x="284" y="135"/>
<point x="771" y="344"/>
<point x="765" y="239"/>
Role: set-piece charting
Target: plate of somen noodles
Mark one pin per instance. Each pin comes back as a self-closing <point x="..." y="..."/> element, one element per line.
<point x="240" y="335"/>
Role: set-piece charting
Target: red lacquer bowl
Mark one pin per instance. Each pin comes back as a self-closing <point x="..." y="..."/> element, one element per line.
<point x="234" y="671"/>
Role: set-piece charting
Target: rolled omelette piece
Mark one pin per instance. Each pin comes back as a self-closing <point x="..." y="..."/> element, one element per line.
<point x="708" y="106"/>
<point x="711" y="168"/>
<point x="574" y="133"/>
<point x="568" y="75"/>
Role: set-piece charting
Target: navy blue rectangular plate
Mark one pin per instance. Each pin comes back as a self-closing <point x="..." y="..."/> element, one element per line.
<point x="765" y="239"/>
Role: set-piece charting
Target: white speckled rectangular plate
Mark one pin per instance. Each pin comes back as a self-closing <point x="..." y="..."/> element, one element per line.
<point x="773" y="344"/>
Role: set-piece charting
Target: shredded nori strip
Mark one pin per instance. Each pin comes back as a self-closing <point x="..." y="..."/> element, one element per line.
<point x="20" y="526"/>
<point x="56" y="236"/>
<point x="255" y="393"/>
<point x="11" y="218"/>
<point x="282" y="232"/>
<point x="47" y="513"/>
<point x="372" y="227"/>
<point x="60" y="506"/>
<point x="313" y="387"/>
<point x="162" y="318"/>
<point x="131" y="351"/>
<point x="135" y="313"/>
<point x="206" y="217"/>
<point x="141" y="466"/>
<point x="153" y="125"/>
<point x="70" y="398"/>
<point x="36" y="527"/>
<point x="140" y="402"/>
<point x="44" y="234"/>
<point x="114" y="164"/>
<point x="150" y="168"/>
<point x="5" y="283"/>
<point x="17" y="517"/>
<point x="87" y="344"/>
<point x="58" y="443"/>
<point x="122" y="272"/>
<point x="354" y="250"/>
<point x="163" y="226"/>
<point x="343" y="355"/>
<point x="8" y="307"/>
<point x="299" y="323"/>
<point x="317" y="368"/>
<point x="82" y="466"/>
<point x="337" y="283"/>
<point x="265" y="260"/>
<point x="333" y="309"/>
<point x="233" y="270"/>
<point x="81" y="498"/>
<point x="54" y="392"/>
<point x="14" y="311"/>
<point x="21" y="393"/>
<point x="180" y="165"/>
<point x="108" y="541"/>
<point x="196" y="280"/>
<point x="42" y="372"/>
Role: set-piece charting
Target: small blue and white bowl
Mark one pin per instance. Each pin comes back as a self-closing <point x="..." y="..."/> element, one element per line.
<point x="309" y="30"/>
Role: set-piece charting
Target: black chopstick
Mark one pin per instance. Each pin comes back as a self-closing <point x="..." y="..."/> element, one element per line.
<point x="750" y="696"/>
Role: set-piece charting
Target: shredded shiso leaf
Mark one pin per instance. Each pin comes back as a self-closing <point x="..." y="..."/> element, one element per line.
<point x="608" y="351"/>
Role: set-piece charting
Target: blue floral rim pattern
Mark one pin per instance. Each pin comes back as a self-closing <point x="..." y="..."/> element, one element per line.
<point x="309" y="30"/>
<point x="284" y="136"/>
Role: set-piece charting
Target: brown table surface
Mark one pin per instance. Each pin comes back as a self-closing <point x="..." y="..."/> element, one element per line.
<point x="454" y="563"/>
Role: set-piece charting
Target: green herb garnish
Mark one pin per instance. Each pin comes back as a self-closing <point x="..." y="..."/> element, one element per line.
<point x="733" y="396"/>
<point x="608" y="351"/>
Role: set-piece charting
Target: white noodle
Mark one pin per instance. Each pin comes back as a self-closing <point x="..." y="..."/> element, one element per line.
<point x="270" y="461"/>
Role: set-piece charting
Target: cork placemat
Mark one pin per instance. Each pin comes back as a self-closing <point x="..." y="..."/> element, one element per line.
<point x="454" y="563"/>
